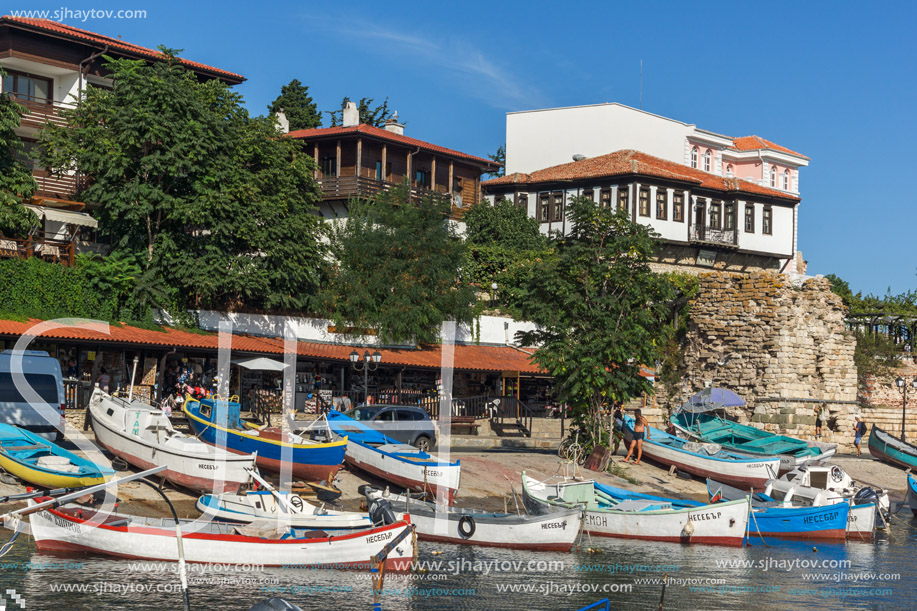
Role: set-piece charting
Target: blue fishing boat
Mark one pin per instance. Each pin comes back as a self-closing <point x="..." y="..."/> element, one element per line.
<point x="892" y="450"/>
<point x="220" y="424"/>
<point x="36" y="460"/>
<point x="912" y="493"/>
<point x="699" y="420"/>
<point x="395" y="462"/>
<point x="704" y="459"/>
<point x="772" y="518"/>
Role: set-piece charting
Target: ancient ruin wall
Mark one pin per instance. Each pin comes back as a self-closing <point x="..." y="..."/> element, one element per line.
<point x="787" y="347"/>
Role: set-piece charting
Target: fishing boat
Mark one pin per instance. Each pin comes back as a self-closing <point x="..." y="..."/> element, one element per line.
<point x="555" y="531"/>
<point x="771" y="518"/>
<point x="144" y="437"/>
<point x="613" y="512"/>
<point x="831" y="480"/>
<point x="701" y="422"/>
<point x="861" y="517"/>
<point x="271" y="504"/>
<point x="219" y="423"/>
<point x="36" y="460"/>
<point x="80" y="529"/>
<point x="395" y="462"/>
<point x="891" y="449"/>
<point x="912" y="493"/>
<point x="704" y="459"/>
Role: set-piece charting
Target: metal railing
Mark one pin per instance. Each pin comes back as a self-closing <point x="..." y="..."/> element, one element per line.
<point x="712" y="234"/>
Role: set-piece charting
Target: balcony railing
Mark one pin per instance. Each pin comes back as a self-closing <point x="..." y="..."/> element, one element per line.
<point x="41" y="111"/>
<point x="58" y="187"/>
<point x="54" y="251"/>
<point x="712" y="234"/>
<point x="347" y="187"/>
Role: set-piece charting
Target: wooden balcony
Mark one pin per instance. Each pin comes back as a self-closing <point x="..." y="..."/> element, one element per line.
<point x="41" y="112"/>
<point x="350" y="187"/>
<point x="53" y="251"/>
<point x="56" y="187"/>
<point x="714" y="236"/>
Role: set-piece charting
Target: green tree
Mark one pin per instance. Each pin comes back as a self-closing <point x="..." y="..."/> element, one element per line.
<point x="219" y="208"/>
<point x="398" y="262"/>
<point x="503" y="224"/>
<point x="297" y="105"/>
<point x="499" y="157"/>
<point x="16" y="182"/>
<point x="369" y="114"/>
<point x="600" y="309"/>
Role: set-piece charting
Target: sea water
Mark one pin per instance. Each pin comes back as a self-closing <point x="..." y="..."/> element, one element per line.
<point x="771" y="575"/>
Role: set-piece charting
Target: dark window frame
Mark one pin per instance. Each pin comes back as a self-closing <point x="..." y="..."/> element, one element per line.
<point x="678" y="206"/>
<point x="379" y="175"/>
<point x="557" y="206"/>
<point x="329" y="166"/>
<point x="624" y="198"/>
<point x="522" y="200"/>
<point x="605" y="198"/>
<point x="16" y="75"/>
<point x="729" y="216"/>
<point x="422" y="178"/>
<point x="544" y="208"/>
<point x="767" y="221"/>
<point x="715" y="214"/>
<point x="749" y="217"/>
<point x="662" y="197"/>
<point x="643" y="207"/>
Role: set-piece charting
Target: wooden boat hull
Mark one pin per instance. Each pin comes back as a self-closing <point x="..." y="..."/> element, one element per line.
<point x="825" y="523"/>
<point x="744" y="473"/>
<point x="306" y="460"/>
<point x="861" y="522"/>
<point x="60" y="531"/>
<point x="721" y="524"/>
<point x="241" y="508"/>
<point x="199" y="467"/>
<point x="893" y="451"/>
<point x="19" y="452"/>
<point x="437" y="477"/>
<point x="556" y="531"/>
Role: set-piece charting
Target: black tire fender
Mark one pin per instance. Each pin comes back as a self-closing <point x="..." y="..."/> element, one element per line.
<point x="466" y="527"/>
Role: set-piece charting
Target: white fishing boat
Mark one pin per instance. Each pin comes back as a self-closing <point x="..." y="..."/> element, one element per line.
<point x="612" y="512"/>
<point x="270" y="504"/>
<point x="79" y="529"/>
<point x="704" y="459"/>
<point x="861" y="519"/>
<point x="395" y="462"/>
<point x="831" y="480"/>
<point x="556" y="531"/>
<point x="143" y="436"/>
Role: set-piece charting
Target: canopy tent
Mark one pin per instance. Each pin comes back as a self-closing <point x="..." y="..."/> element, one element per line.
<point x="69" y="217"/>
<point x="260" y="363"/>
<point x="711" y="399"/>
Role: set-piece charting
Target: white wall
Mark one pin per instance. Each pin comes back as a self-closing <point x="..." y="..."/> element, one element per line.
<point x="542" y="138"/>
<point x="781" y="239"/>
<point x="494" y="330"/>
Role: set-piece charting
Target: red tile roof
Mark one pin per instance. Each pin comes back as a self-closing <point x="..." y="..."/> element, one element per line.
<point x="754" y="143"/>
<point x="626" y="162"/>
<point x="469" y="358"/>
<point x="47" y="25"/>
<point x="378" y="132"/>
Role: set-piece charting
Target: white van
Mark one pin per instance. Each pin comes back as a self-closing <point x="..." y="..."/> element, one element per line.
<point x="43" y="373"/>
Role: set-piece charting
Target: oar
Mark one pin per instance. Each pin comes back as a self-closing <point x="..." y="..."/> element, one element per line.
<point x="62" y="500"/>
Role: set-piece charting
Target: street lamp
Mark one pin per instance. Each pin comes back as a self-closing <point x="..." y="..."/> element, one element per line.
<point x="493" y="294"/>
<point x="901" y="384"/>
<point x="370" y="363"/>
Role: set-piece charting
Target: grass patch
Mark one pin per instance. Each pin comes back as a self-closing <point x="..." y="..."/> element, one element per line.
<point x="618" y="471"/>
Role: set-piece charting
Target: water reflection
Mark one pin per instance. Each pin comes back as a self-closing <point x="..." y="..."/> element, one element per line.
<point x="781" y="574"/>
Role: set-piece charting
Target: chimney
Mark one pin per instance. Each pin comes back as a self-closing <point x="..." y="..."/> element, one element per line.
<point x="283" y="124"/>
<point x="351" y="115"/>
<point x="392" y="125"/>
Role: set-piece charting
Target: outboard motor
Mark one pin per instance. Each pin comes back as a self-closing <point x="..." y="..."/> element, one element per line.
<point x="381" y="512"/>
<point x="868" y="495"/>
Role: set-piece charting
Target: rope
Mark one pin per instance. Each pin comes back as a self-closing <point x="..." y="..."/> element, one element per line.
<point x="751" y="512"/>
<point x="9" y="544"/>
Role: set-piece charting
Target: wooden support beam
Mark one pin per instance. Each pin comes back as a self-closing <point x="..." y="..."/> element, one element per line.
<point x="359" y="157"/>
<point x="385" y="162"/>
<point x="451" y="180"/>
<point x="337" y="170"/>
<point x="317" y="161"/>
<point x="433" y="174"/>
<point x="409" y="164"/>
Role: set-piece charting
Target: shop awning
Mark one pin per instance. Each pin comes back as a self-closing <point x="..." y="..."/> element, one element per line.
<point x="261" y="364"/>
<point x="64" y="216"/>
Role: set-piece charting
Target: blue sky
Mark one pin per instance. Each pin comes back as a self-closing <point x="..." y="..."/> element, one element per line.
<point x="832" y="80"/>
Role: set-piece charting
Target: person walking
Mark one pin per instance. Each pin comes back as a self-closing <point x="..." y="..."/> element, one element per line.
<point x="104" y="380"/>
<point x="859" y="429"/>
<point x="641" y="426"/>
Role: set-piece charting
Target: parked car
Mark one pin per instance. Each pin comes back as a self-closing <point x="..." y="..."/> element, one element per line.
<point x="43" y="373"/>
<point x="406" y="423"/>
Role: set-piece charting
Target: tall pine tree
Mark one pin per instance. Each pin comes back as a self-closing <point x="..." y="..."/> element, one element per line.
<point x="297" y="105"/>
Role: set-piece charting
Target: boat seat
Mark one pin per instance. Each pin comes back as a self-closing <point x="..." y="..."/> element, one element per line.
<point x="37" y="446"/>
<point x="118" y="523"/>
